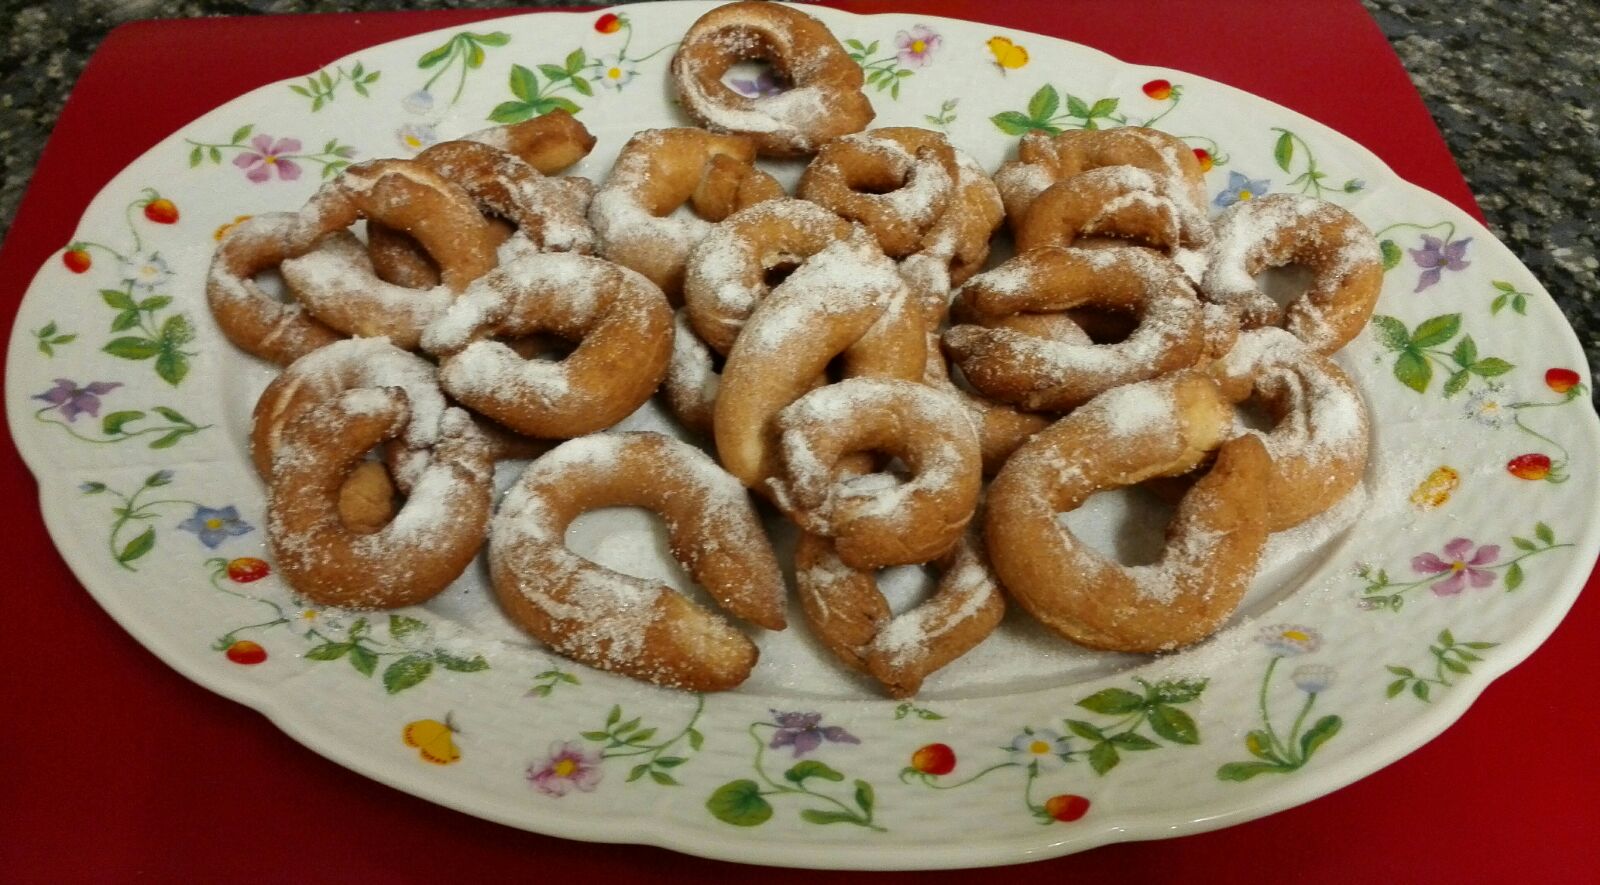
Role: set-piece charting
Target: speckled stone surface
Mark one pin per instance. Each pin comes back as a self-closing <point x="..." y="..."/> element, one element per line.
<point x="1512" y="86"/>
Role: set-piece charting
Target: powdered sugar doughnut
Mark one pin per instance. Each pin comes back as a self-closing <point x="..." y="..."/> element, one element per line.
<point x="1042" y="374"/>
<point x="1124" y="203"/>
<point x="1154" y="428"/>
<point x="873" y="524"/>
<point x="660" y="170"/>
<point x="824" y="100"/>
<point x="692" y="378"/>
<point x="896" y="182"/>
<point x="848" y="613"/>
<point x="1320" y="437"/>
<point x="1280" y="229"/>
<point x="257" y="323"/>
<point x="549" y="142"/>
<point x="621" y="322"/>
<point x="957" y="245"/>
<point x="427" y="544"/>
<point x="728" y="271"/>
<point x="629" y="625"/>
<point x="1043" y="160"/>
<point x="847" y="300"/>
<point x="1001" y="428"/>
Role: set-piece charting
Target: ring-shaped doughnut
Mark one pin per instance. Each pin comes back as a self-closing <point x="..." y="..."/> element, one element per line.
<point x="847" y="301"/>
<point x="1319" y="439"/>
<point x="824" y="100"/>
<point x="1045" y="374"/>
<point x="549" y="142"/>
<point x="429" y="542"/>
<point x="874" y="525"/>
<point x="1125" y="203"/>
<point x="1163" y="427"/>
<point x="257" y="323"/>
<point x="849" y="614"/>
<point x="1001" y="428"/>
<point x="1281" y="229"/>
<point x="957" y="245"/>
<point x="1043" y="160"/>
<point x="896" y="182"/>
<point x="619" y="320"/>
<point x="728" y="271"/>
<point x="660" y="170"/>
<point x="620" y="623"/>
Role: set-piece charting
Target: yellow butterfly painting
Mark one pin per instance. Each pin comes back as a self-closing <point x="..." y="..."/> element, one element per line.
<point x="1009" y="56"/>
<point x="433" y="739"/>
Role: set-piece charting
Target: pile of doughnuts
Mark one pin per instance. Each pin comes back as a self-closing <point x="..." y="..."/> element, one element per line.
<point x="840" y="352"/>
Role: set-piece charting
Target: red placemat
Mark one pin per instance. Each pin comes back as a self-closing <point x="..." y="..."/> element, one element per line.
<point x="118" y="768"/>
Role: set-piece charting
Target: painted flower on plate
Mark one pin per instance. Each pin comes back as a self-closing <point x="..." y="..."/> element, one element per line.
<point x="71" y="400"/>
<point x="214" y="525"/>
<point x="569" y="768"/>
<point x="269" y="156"/>
<point x="1312" y="678"/>
<point x="419" y="102"/>
<point x="1240" y="189"/>
<point x="1488" y="407"/>
<point x="1288" y="640"/>
<point x="805" y="732"/>
<point x="145" y="271"/>
<point x="416" y="136"/>
<point x="764" y="84"/>
<point x="916" y="46"/>
<point x="614" y="72"/>
<point x="1437" y="256"/>
<point x="1460" y="566"/>
<point x="1041" y="747"/>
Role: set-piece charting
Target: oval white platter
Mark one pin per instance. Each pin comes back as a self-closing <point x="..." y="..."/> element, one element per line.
<point x="1367" y="634"/>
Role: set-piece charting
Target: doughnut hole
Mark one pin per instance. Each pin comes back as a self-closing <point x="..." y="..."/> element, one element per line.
<point x="1284" y="284"/>
<point x="875" y="173"/>
<point x="779" y="268"/>
<point x="368" y="500"/>
<point x="756" y="77"/>
<point x="752" y="55"/>
<point x="542" y="346"/>
<point x="1105" y="326"/>
<point x="905" y="587"/>
<point x="634" y="541"/>
<point x="271" y="282"/>
<point x="1127" y="525"/>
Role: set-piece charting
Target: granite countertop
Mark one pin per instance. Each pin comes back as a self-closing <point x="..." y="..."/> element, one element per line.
<point x="1509" y="84"/>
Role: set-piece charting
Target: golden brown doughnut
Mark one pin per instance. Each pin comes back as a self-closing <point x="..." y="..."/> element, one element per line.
<point x="1282" y="229"/>
<point x="1153" y="428"/>
<point x="824" y="100"/>
<point x="629" y="625"/>
<point x="257" y="323"/>
<point x="876" y="524"/>
<point x="428" y="543"/>
<point x="549" y="142"/>
<point x="1001" y="428"/>
<point x="848" y="613"/>
<point x="620" y="321"/>
<point x="660" y="170"/>
<point x="1043" y="160"/>
<point x="896" y="182"/>
<point x="1042" y="374"/>
<point x="846" y="301"/>
<point x="1125" y="203"/>
<point x="692" y="378"/>
<point x="957" y="245"/>
<point x="1320" y="436"/>
<point x="728" y="272"/>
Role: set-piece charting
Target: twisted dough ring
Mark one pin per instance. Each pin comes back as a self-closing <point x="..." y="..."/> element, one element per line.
<point x="727" y="272"/>
<point x="629" y="625"/>
<point x="825" y="99"/>
<point x="849" y="614"/>
<point x="621" y="322"/>
<point x="1154" y="428"/>
<point x="896" y="182"/>
<point x="1280" y="229"/>
<point x="428" y="544"/>
<point x="1043" y="160"/>
<point x="873" y="526"/>
<point x="254" y="321"/>
<point x="1319" y="440"/>
<point x="846" y="301"/>
<point x="658" y="171"/>
<point x="1001" y="428"/>
<point x="1043" y="374"/>
<point x="336" y="281"/>
<point x="549" y="143"/>
<point x="957" y="245"/>
<point x="1119" y="202"/>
